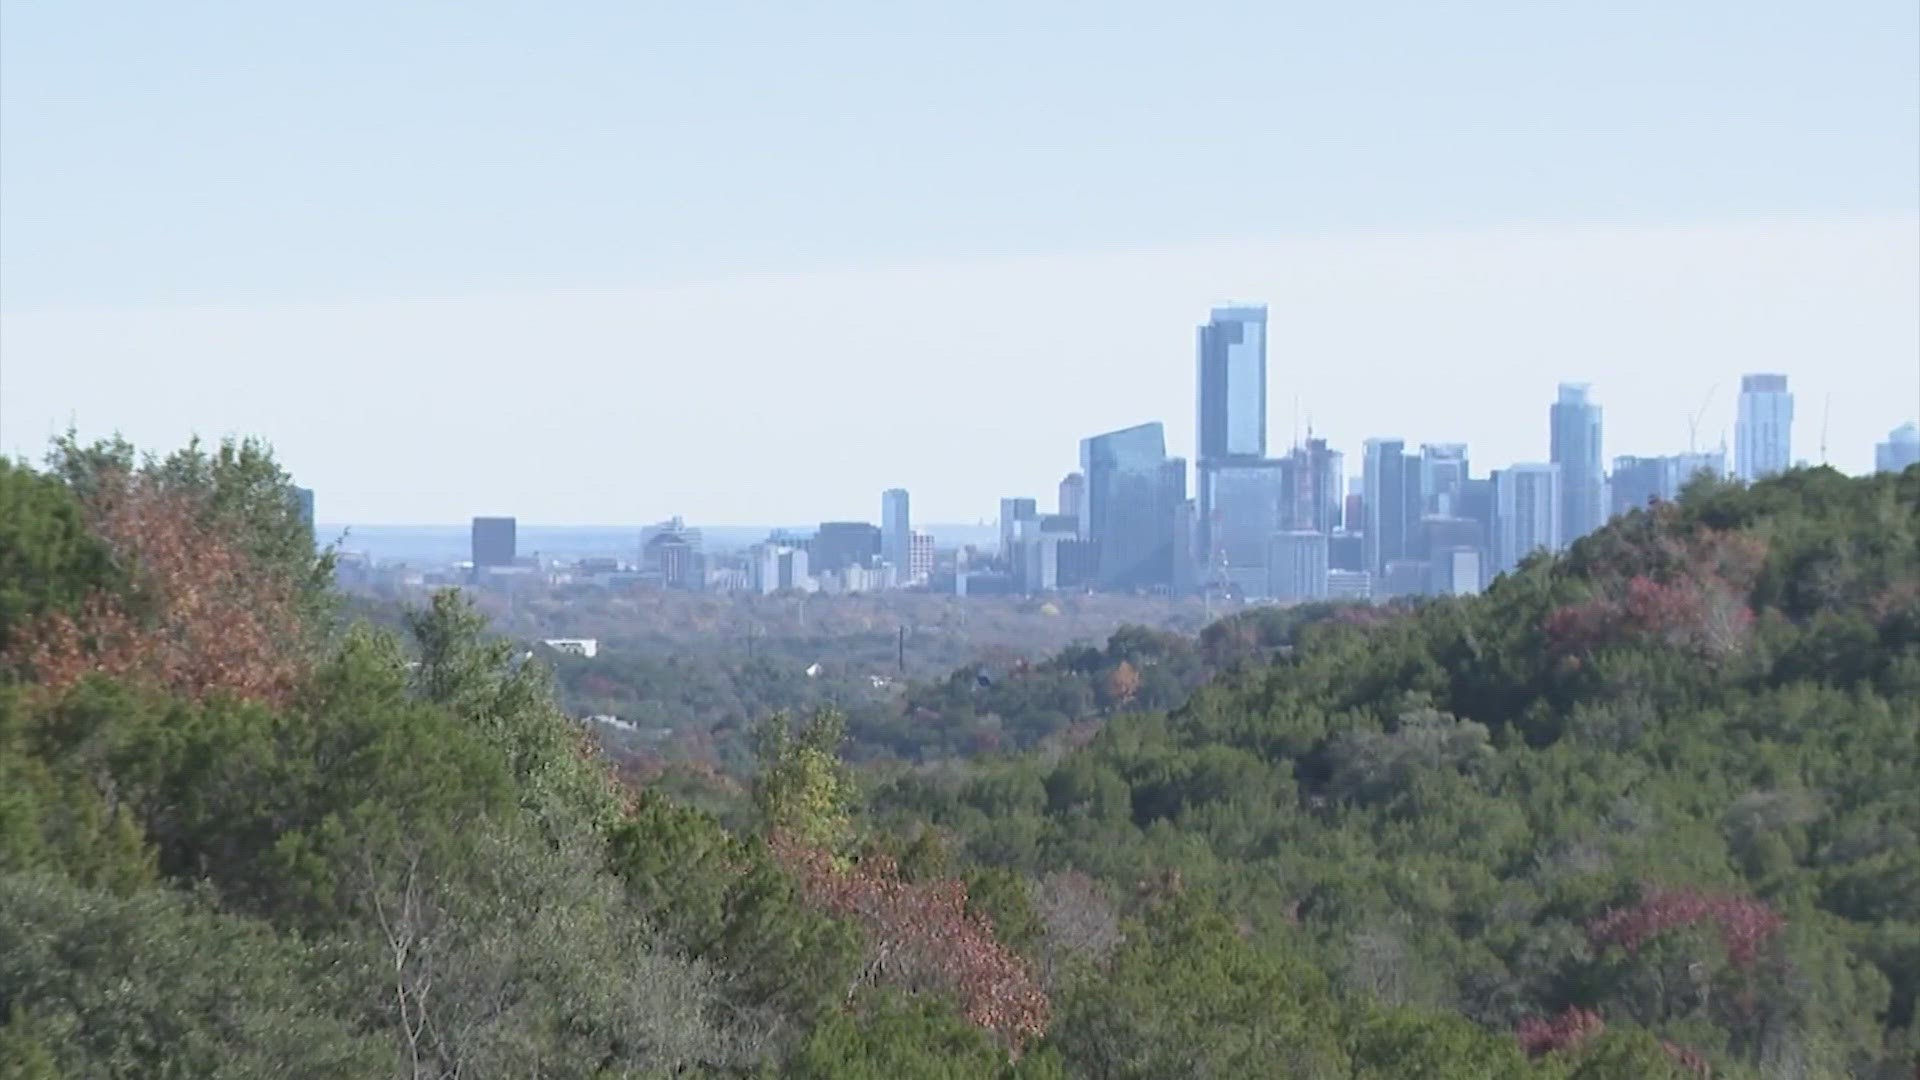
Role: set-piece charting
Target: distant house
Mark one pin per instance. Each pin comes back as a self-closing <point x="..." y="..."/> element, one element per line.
<point x="587" y="647"/>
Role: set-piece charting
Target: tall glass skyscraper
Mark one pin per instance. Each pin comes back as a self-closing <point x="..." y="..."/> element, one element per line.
<point x="1134" y="496"/>
<point x="1233" y="383"/>
<point x="1526" y="513"/>
<point x="896" y="530"/>
<point x="1763" y="431"/>
<point x="1575" y="433"/>
<point x="1391" y="481"/>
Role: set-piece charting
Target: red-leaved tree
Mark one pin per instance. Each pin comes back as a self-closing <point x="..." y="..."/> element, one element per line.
<point x="1688" y="592"/>
<point x="1544" y="1035"/>
<point x="198" y="617"/>
<point x="1744" y="924"/>
<point x="920" y="935"/>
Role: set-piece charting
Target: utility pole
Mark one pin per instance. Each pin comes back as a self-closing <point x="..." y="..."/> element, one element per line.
<point x="902" y="650"/>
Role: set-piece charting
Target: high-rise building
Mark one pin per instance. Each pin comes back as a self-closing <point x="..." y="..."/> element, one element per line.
<point x="896" y="529"/>
<point x="1763" y="431"/>
<point x="1312" y="487"/>
<point x="1443" y="472"/>
<point x="840" y="544"/>
<point x="1456" y="571"/>
<point x="1012" y="513"/>
<point x="779" y="568"/>
<point x="1241" y="498"/>
<point x="1393" y="501"/>
<point x="493" y="542"/>
<point x="1526" y="513"/>
<point x="1134" y="492"/>
<point x="919" y="557"/>
<point x="1298" y="566"/>
<point x="1073" y="500"/>
<point x="1233" y="383"/>
<point x="1575" y="432"/>
<point x="1901" y="450"/>
<point x="1636" y="481"/>
<point x="672" y="550"/>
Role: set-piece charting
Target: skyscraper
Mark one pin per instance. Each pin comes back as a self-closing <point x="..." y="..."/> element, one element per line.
<point x="1763" y="431"/>
<point x="896" y="530"/>
<point x="1901" y="449"/>
<point x="1312" y="483"/>
<point x="1443" y="471"/>
<point x="1392" y="483"/>
<point x="1134" y="491"/>
<point x="1073" y="500"/>
<point x="493" y="541"/>
<point x="1012" y="513"/>
<point x="1575" y="433"/>
<point x="1526" y="513"/>
<point x="1233" y="384"/>
<point x="1298" y="566"/>
<point x="1242" y="497"/>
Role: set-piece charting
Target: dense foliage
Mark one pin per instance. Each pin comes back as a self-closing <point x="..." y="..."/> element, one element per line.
<point x="1668" y="783"/>
<point x="1648" y="810"/>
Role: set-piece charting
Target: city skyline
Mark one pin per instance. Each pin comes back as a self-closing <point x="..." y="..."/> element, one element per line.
<point x="992" y="234"/>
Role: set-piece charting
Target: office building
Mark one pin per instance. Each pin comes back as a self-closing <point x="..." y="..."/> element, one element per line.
<point x="493" y="542"/>
<point x="1763" y="430"/>
<point x="1636" y="481"/>
<point x="1233" y="384"/>
<point x="1443" y="472"/>
<point x="1240" y="501"/>
<point x="1298" y="566"/>
<point x="1346" y="551"/>
<point x="896" y="529"/>
<point x="1526" y="513"/>
<point x="780" y="568"/>
<point x="1073" y="500"/>
<point x="1404" y="577"/>
<point x="1456" y="571"/>
<point x="672" y="551"/>
<point x="1575" y="433"/>
<point x="838" y="545"/>
<point x="1393" y="502"/>
<point x="1134" y="494"/>
<point x="1900" y="451"/>
<point x="1035" y="565"/>
<point x="919" y="557"/>
<point x="1349" y="585"/>
<point x="1312" y="487"/>
<point x="1012" y="513"/>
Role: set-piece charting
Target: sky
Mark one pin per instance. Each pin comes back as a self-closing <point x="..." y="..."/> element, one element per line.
<point x="607" y="262"/>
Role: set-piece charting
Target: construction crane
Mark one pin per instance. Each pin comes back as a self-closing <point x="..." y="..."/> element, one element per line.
<point x="1693" y="421"/>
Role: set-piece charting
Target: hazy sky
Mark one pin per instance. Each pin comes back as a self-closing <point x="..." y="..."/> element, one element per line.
<point x="753" y="263"/>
